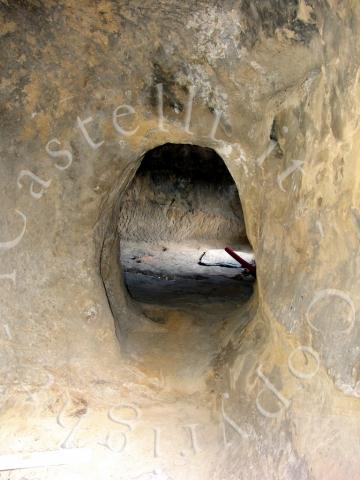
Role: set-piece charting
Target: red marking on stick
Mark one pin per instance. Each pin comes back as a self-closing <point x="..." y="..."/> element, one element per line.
<point x="242" y="262"/>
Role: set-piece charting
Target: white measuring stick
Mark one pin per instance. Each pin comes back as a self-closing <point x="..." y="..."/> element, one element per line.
<point x="67" y="456"/>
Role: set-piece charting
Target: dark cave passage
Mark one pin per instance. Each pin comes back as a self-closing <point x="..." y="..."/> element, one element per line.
<point x="180" y="211"/>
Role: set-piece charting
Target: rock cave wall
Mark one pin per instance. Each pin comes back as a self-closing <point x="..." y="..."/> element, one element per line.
<point x="86" y="89"/>
<point x="182" y="193"/>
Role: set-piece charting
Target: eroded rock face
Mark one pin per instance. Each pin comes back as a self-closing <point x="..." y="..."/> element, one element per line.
<point x="182" y="193"/>
<point x="86" y="90"/>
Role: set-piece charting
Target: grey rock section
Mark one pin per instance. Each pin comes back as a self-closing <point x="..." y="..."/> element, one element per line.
<point x="219" y="258"/>
<point x="169" y="274"/>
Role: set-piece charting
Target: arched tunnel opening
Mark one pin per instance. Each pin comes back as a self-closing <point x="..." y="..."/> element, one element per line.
<point x="177" y="216"/>
<point x="133" y="345"/>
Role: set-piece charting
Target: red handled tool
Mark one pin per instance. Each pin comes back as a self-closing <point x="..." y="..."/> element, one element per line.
<point x="243" y="263"/>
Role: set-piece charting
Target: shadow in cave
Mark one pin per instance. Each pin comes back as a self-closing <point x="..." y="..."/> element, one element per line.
<point x="179" y="212"/>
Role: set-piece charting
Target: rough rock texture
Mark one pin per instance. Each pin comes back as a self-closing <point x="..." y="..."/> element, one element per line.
<point x="276" y="95"/>
<point x="182" y="193"/>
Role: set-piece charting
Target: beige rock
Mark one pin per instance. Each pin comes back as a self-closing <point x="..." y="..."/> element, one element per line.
<point x="81" y="363"/>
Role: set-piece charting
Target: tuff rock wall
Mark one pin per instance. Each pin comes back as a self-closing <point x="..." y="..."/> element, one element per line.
<point x="182" y="194"/>
<point x="86" y="89"/>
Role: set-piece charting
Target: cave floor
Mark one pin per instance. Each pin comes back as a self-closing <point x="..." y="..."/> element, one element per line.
<point x="170" y="274"/>
<point x="193" y="306"/>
